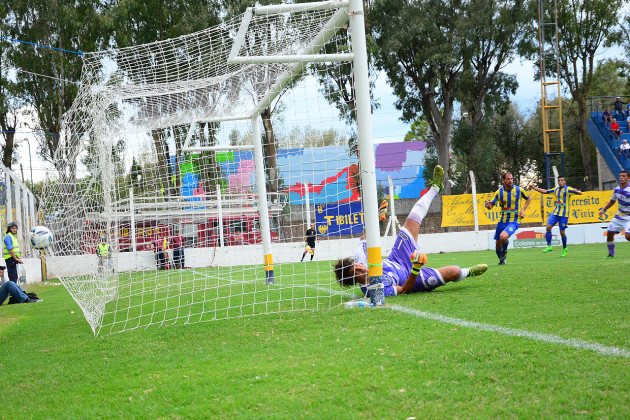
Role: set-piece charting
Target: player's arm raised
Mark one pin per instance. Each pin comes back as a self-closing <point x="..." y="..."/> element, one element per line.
<point x="540" y="190"/>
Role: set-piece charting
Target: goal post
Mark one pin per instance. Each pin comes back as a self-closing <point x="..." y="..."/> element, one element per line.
<point x="210" y="154"/>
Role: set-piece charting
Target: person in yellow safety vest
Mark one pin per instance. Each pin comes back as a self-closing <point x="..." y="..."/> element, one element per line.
<point x="12" y="251"/>
<point x="382" y="210"/>
<point x="104" y="254"/>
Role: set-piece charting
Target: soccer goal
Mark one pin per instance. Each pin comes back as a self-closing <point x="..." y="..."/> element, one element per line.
<point x="189" y="171"/>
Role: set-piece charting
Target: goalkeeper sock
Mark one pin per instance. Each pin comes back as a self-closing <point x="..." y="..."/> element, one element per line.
<point x="464" y="272"/>
<point x="548" y="237"/>
<point x="421" y="207"/>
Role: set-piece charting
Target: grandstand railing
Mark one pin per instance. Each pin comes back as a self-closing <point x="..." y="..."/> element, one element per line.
<point x="607" y="144"/>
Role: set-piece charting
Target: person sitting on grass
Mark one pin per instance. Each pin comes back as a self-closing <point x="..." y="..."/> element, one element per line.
<point x="11" y="289"/>
<point x="403" y="270"/>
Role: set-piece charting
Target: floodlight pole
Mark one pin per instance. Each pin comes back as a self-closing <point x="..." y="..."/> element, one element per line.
<point x="367" y="164"/>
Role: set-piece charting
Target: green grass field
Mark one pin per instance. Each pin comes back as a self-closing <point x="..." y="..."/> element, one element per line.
<point x="540" y="337"/>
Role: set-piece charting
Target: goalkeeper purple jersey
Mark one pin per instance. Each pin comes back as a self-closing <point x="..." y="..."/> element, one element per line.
<point x="397" y="266"/>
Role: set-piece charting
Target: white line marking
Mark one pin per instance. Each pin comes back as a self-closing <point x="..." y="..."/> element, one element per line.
<point x="548" y="338"/>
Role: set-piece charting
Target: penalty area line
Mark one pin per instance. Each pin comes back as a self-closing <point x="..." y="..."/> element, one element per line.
<point x="547" y="338"/>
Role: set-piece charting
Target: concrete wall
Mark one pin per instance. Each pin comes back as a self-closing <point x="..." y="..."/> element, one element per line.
<point x="291" y="252"/>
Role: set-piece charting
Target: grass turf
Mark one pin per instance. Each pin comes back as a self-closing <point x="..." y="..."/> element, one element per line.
<point x="340" y="363"/>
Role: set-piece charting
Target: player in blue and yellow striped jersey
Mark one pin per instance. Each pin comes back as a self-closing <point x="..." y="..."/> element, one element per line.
<point x="560" y="213"/>
<point x="508" y="197"/>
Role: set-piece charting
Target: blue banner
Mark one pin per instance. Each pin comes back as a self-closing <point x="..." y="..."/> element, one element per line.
<point x="339" y="219"/>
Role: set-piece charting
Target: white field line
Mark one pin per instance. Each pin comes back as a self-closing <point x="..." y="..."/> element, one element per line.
<point x="546" y="338"/>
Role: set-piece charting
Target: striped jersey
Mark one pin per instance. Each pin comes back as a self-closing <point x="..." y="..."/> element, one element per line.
<point x="562" y="200"/>
<point x="622" y="195"/>
<point x="510" y="203"/>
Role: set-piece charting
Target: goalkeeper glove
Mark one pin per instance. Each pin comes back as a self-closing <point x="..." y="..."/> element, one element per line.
<point x="418" y="259"/>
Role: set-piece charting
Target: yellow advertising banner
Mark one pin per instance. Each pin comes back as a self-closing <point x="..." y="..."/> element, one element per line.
<point x="584" y="208"/>
<point x="457" y="210"/>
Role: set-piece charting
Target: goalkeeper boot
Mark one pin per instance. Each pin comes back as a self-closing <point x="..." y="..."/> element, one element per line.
<point x="609" y="257"/>
<point x="548" y="249"/>
<point x="438" y="174"/>
<point x="564" y="253"/>
<point x="477" y="270"/>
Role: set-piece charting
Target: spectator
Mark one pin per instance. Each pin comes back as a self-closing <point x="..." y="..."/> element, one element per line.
<point x="11" y="289"/>
<point x="625" y="149"/>
<point x="619" y="107"/>
<point x="614" y="130"/>
<point x="104" y="255"/>
<point x="238" y="237"/>
<point x="607" y="116"/>
<point x="12" y="251"/>
<point x="157" y="245"/>
<point x="177" y="242"/>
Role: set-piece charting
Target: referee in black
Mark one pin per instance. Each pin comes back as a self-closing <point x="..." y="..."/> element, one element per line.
<point x="309" y="238"/>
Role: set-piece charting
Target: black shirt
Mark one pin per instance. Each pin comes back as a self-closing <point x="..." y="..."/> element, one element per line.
<point x="311" y="235"/>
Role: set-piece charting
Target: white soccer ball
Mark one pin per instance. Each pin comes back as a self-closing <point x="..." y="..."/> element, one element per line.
<point x="41" y="237"/>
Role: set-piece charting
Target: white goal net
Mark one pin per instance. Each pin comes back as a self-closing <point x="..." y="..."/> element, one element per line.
<point x="189" y="171"/>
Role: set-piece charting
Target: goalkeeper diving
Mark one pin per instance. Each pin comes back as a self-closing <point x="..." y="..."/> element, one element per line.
<point x="404" y="270"/>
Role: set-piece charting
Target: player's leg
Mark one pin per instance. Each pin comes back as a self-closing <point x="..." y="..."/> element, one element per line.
<point x="312" y="252"/>
<point x="303" y="255"/>
<point x="550" y="224"/>
<point x="610" y="242"/>
<point x="562" y="224"/>
<point x="504" y="237"/>
<point x="430" y="278"/>
<point x="420" y="209"/>
<point x="614" y="228"/>
<point x="497" y="240"/>
<point x="455" y="273"/>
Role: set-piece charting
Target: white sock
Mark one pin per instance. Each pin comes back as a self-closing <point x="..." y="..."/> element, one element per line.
<point x="421" y="207"/>
<point x="463" y="274"/>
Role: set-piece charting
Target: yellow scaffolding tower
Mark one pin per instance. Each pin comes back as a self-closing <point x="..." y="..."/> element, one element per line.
<point x="551" y="98"/>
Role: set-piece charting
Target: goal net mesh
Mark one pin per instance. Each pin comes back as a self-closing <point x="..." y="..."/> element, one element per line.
<point x="156" y="154"/>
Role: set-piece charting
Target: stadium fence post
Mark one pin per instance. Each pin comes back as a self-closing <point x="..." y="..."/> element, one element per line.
<point x="474" y="200"/>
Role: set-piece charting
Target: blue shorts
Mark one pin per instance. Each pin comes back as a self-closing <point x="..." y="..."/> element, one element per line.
<point x="561" y="221"/>
<point x="510" y="228"/>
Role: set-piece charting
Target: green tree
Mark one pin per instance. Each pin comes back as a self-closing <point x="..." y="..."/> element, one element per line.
<point x="583" y="27"/>
<point x="435" y="53"/>
<point x="135" y="22"/>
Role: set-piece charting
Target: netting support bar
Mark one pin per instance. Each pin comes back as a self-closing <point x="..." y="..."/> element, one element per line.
<point x="300" y="7"/>
<point x="262" y="200"/>
<point x="367" y="161"/>
<point x="275" y="59"/>
<point x="216" y="148"/>
<point x="328" y="31"/>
